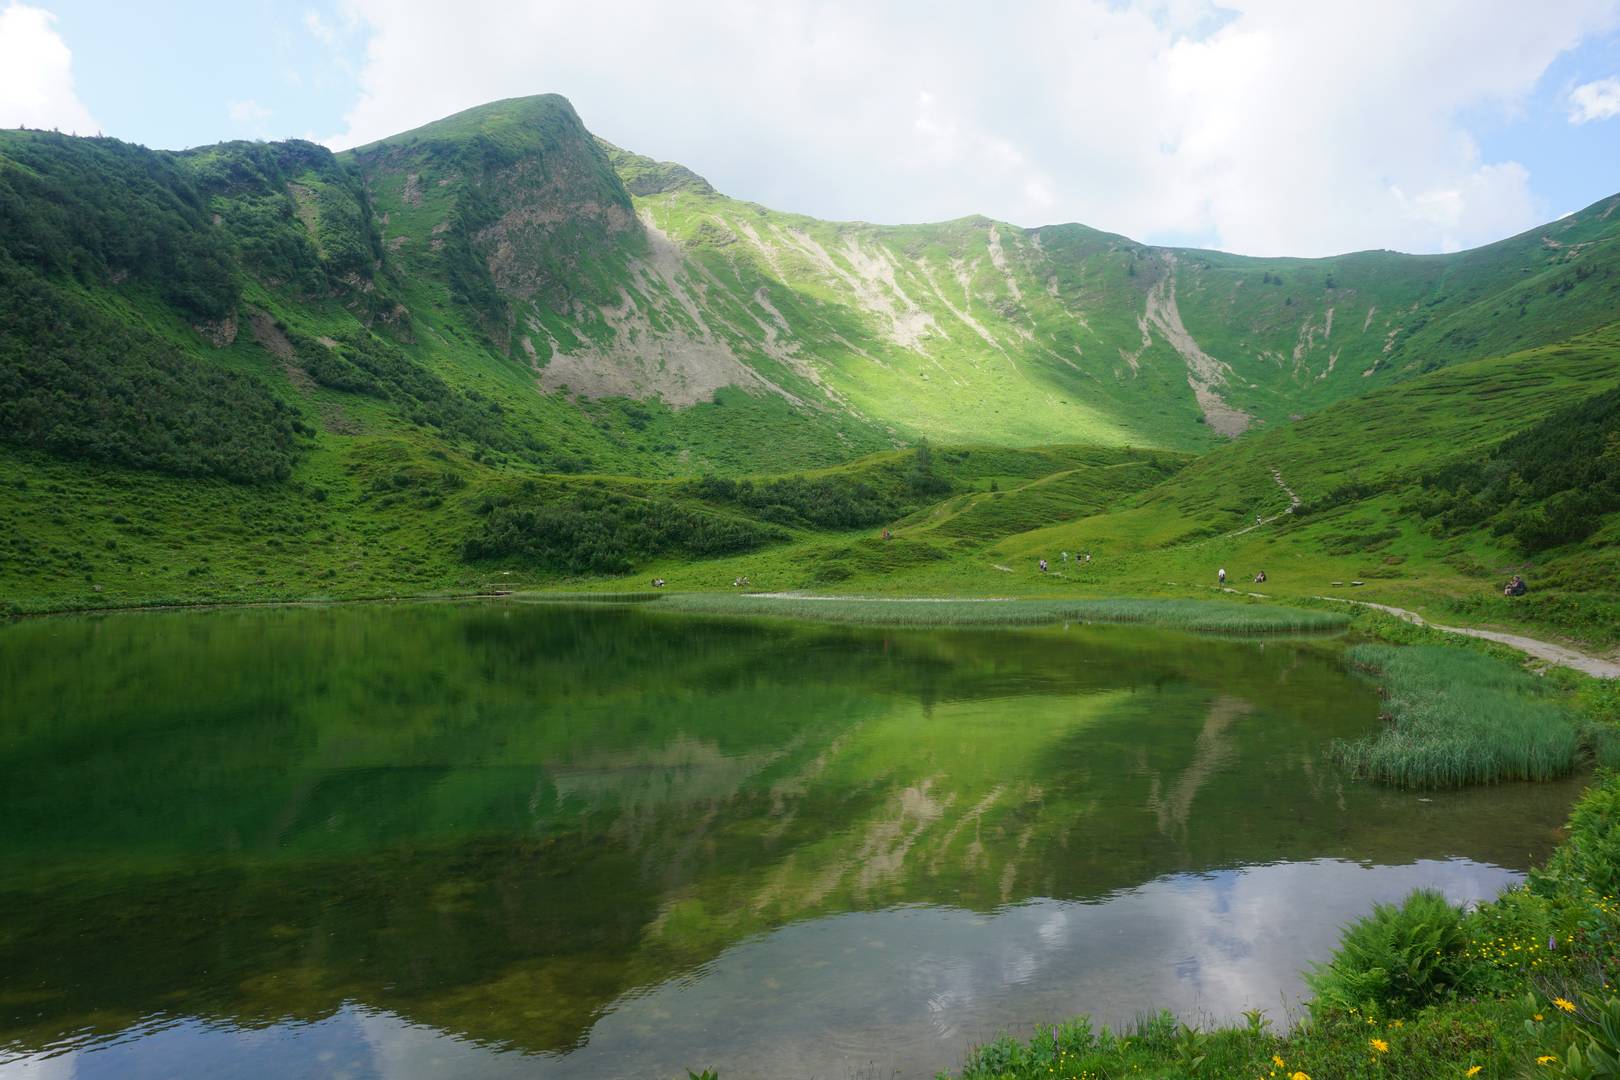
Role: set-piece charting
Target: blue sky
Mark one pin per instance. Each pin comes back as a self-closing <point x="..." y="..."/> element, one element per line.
<point x="1261" y="126"/>
<point x="167" y="74"/>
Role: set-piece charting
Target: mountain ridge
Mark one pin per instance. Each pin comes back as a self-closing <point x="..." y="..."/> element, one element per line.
<point x="397" y="341"/>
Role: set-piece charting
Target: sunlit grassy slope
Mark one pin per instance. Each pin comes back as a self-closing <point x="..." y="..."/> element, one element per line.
<point x="496" y="349"/>
<point x="1358" y="467"/>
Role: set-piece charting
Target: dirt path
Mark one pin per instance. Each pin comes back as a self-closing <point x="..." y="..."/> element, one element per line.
<point x="1293" y="504"/>
<point x="1558" y="655"/>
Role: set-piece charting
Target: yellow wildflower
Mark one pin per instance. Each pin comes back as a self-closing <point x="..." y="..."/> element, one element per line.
<point x="1379" y="1045"/>
<point x="1546" y="1059"/>
<point x="1278" y="1061"/>
<point x="1539" y="1018"/>
<point x="1565" y="1004"/>
<point x="1299" y="1076"/>
<point x="1473" y="1070"/>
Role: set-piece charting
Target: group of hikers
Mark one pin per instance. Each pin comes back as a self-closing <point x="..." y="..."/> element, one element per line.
<point x="1259" y="576"/>
<point x="1079" y="557"/>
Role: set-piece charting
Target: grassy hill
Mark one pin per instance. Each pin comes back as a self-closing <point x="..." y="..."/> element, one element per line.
<point x="1427" y="495"/>
<point x="498" y="348"/>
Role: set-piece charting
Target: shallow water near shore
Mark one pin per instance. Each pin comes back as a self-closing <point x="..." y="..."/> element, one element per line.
<point x="494" y="839"/>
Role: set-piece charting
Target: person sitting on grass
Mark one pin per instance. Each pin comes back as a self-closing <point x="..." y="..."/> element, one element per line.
<point x="1260" y="578"/>
<point x="1515" y="587"/>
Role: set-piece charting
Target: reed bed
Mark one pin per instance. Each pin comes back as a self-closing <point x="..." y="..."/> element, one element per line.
<point x="1198" y="615"/>
<point x="1459" y="717"/>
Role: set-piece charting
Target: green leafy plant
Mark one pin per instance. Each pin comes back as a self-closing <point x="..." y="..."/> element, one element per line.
<point x="1400" y="957"/>
<point x="1589" y="1042"/>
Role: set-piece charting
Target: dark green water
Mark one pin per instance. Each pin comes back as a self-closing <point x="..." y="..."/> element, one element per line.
<point x="507" y="840"/>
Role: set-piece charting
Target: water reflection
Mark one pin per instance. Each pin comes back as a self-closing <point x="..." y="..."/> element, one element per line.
<point x="472" y="840"/>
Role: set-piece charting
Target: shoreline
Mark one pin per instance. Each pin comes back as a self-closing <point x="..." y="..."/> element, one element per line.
<point x="1549" y="652"/>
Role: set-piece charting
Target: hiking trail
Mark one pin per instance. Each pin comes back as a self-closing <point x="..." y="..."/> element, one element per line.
<point x="1558" y="655"/>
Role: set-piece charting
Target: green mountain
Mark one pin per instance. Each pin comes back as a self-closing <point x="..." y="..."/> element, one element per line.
<point x="497" y="342"/>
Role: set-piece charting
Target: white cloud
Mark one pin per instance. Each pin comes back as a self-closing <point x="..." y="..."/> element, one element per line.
<point x="36" y="74"/>
<point x="320" y="29"/>
<point x="1598" y="100"/>
<point x="1267" y="126"/>
<point x="249" y="116"/>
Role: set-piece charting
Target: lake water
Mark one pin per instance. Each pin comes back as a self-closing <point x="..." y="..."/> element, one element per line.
<point x="507" y="840"/>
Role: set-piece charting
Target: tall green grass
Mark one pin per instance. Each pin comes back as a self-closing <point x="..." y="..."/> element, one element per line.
<point x="1199" y="615"/>
<point x="1460" y="717"/>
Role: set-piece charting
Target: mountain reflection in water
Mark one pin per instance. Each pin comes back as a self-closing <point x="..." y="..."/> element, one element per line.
<point x="481" y="840"/>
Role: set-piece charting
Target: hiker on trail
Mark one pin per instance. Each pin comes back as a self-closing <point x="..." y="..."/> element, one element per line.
<point x="1260" y="578"/>
<point x="1515" y="587"/>
<point x="1043" y="566"/>
<point x="1221" y="575"/>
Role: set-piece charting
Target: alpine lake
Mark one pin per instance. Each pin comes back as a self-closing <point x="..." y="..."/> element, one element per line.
<point x="505" y="839"/>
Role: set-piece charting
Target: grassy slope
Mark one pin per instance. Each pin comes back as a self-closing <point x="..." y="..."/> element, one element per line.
<point x="454" y="250"/>
<point x="387" y="514"/>
<point x="1170" y="539"/>
<point x="1394" y="316"/>
<point x="936" y="327"/>
<point x="1370" y="453"/>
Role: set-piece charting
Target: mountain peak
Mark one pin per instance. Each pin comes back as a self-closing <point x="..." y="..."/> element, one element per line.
<point x="518" y="123"/>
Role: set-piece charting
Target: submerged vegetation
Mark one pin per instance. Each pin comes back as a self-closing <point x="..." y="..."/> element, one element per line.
<point x="1461" y="717"/>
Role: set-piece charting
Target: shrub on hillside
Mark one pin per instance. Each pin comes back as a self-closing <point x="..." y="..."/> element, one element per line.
<point x="596" y="532"/>
<point x="360" y="362"/>
<point x="264" y="192"/>
<point x="1547" y="486"/>
<point x="825" y="502"/>
<point x="84" y="386"/>
<point x="100" y="210"/>
<point x="833" y="501"/>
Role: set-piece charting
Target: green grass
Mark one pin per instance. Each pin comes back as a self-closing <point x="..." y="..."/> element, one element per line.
<point x="1441" y="1043"/>
<point x="1358" y="467"/>
<point x="1458" y="717"/>
<point x="1199" y="615"/>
